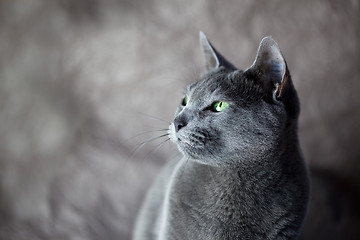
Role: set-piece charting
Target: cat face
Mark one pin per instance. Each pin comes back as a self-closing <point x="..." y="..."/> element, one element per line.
<point x="231" y="115"/>
<point x="242" y="125"/>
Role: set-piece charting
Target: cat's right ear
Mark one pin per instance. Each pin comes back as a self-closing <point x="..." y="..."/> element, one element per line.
<point x="270" y="68"/>
<point x="213" y="59"/>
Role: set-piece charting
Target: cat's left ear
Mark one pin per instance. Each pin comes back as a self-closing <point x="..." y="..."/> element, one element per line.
<point x="213" y="59"/>
<point x="270" y="67"/>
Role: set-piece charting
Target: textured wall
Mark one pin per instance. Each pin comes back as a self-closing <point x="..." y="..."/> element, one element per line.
<point x="79" y="79"/>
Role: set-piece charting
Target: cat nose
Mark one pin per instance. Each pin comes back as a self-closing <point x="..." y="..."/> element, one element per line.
<point x="178" y="126"/>
<point x="179" y="123"/>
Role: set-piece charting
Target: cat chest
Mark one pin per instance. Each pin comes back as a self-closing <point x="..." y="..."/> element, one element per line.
<point x="205" y="204"/>
<point x="197" y="206"/>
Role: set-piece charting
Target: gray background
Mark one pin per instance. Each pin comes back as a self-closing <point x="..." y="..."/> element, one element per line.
<point x="80" y="79"/>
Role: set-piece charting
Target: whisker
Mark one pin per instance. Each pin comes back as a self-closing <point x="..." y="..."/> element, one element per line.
<point x="142" y="133"/>
<point x="156" y="148"/>
<point x="152" y="117"/>
<point x="136" y="149"/>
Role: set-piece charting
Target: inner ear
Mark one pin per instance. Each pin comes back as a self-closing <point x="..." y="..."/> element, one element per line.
<point x="270" y="67"/>
<point x="279" y="92"/>
<point x="213" y="59"/>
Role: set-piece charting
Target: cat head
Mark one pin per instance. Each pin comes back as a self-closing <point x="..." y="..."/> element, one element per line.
<point x="230" y="114"/>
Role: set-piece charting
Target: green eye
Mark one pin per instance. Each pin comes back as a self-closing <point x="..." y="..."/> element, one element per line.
<point x="219" y="106"/>
<point x="185" y="101"/>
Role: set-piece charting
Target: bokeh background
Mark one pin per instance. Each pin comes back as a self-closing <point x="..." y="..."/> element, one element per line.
<point x="80" y="80"/>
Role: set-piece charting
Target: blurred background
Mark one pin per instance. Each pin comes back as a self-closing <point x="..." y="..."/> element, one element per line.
<point x="82" y="83"/>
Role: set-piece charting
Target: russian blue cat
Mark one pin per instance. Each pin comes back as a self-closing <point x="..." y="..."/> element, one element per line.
<point x="242" y="175"/>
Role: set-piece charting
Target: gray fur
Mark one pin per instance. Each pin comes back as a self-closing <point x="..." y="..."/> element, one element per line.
<point x="242" y="175"/>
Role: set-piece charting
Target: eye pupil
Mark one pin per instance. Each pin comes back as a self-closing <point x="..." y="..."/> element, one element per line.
<point x="185" y="101"/>
<point x="219" y="106"/>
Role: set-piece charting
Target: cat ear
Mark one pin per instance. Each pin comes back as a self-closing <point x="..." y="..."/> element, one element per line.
<point x="270" y="67"/>
<point x="212" y="58"/>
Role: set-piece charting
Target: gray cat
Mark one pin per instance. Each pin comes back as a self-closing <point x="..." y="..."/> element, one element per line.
<point x="242" y="175"/>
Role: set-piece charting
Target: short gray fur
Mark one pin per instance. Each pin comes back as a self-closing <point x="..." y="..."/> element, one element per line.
<point x="242" y="175"/>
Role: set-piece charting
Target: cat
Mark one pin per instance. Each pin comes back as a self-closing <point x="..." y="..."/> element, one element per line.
<point x="242" y="175"/>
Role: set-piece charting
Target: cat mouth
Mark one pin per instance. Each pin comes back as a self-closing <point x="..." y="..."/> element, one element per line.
<point x="184" y="142"/>
<point x="178" y="138"/>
